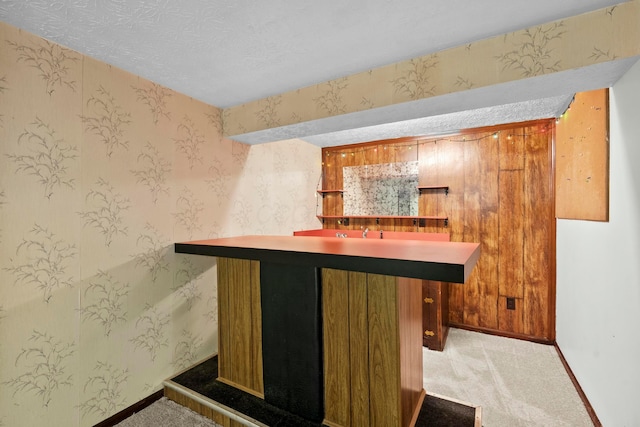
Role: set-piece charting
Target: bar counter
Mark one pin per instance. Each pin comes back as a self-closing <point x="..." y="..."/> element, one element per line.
<point x="443" y="261"/>
<point x="328" y="328"/>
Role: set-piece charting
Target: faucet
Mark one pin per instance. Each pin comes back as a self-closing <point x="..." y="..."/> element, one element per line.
<point x="364" y="233"/>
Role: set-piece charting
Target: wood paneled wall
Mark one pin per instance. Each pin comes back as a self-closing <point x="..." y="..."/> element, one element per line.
<point x="501" y="195"/>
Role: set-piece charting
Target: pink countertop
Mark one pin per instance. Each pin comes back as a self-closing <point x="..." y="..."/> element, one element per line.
<point x="434" y="260"/>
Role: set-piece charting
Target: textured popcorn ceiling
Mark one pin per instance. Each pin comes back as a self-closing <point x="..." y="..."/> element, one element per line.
<point x="227" y="52"/>
<point x="443" y="123"/>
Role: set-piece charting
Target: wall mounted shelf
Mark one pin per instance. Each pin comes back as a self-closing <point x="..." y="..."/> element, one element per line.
<point x="422" y="188"/>
<point x="421" y="220"/>
<point x="323" y="192"/>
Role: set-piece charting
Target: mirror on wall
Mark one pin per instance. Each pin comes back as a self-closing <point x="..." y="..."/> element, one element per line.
<point x="382" y="189"/>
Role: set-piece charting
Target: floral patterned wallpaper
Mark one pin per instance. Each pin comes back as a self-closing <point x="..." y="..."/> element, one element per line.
<point x="592" y="38"/>
<point x="100" y="172"/>
<point x="381" y="189"/>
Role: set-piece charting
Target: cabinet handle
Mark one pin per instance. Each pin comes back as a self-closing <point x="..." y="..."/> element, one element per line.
<point x="428" y="300"/>
<point x="429" y="333"/>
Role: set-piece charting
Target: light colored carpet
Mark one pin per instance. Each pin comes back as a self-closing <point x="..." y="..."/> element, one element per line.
<point x="517" y="383"/>
<point x="167" y="413"/>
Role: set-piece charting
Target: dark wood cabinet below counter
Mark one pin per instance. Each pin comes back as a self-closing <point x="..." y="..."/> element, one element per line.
<point x="435" y="314"/>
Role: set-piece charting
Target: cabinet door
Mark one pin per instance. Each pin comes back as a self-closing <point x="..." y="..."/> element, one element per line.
<point x="435" y="302"/>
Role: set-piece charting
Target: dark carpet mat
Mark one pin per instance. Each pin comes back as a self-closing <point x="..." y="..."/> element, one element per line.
<point x="201" y="379"/>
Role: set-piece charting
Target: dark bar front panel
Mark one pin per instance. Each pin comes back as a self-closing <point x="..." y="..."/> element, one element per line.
<point x="292" y="338"/>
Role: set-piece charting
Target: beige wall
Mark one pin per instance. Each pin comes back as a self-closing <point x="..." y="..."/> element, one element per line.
<point x="100" y="172"/>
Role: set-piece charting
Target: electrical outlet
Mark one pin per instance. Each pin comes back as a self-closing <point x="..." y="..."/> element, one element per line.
<point x="511" y="303"/>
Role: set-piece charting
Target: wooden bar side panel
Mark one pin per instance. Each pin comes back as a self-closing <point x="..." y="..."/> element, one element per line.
<point x="384" y="357"/>
<point x="239" y="326"/>
<point x="224" y="346"/>
<point x="256" y="377"/>
<point x="240" y="322"/>
<point x="359" y="349"/>
<point x="335" y="315"/>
